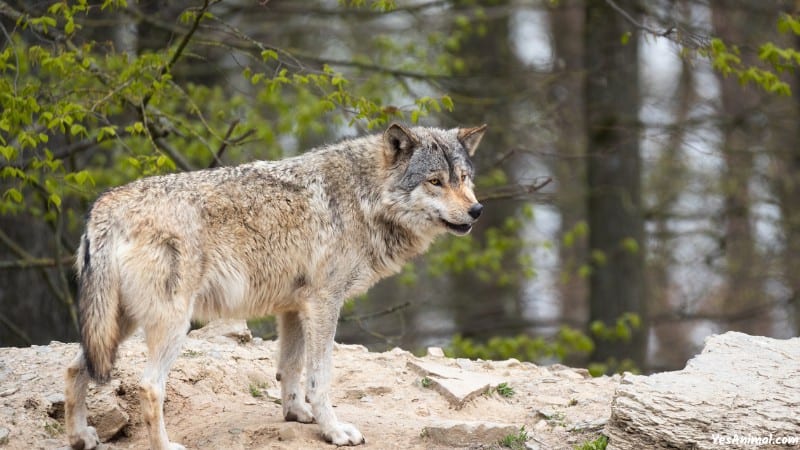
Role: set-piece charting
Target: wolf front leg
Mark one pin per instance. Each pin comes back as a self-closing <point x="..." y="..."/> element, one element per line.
<point x="290" y="368"/>
<point x="320" y="328"/>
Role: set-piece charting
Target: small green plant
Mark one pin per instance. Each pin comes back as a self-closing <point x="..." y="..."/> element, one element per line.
<point x="191" y="353"/>
<point x="598" y="444"/>
<point x="53" y="428"/>
<point x="256" y="389"/>
<point x="515" y="441"/>
<point x="505" y="390"/>
<point x="426" y="382"/>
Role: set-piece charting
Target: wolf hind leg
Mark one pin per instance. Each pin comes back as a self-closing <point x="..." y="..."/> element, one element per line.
<point x="290" y="367"/>
<point x="76" y="383"/>
<point x="80" y="435"/>
<point x="164" y="337"/>
<point x="319" y="331"/>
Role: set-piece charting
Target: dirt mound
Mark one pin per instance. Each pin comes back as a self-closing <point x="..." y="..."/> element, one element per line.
<point x="222" y="393"/>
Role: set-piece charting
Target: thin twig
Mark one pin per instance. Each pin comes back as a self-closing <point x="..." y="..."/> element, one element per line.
<point x="33" y="263"/>
<point x="376" y="314"/>
<point x="514" y="191"/>
<point x="217" y="161"/>
<point x="182" y="44"/>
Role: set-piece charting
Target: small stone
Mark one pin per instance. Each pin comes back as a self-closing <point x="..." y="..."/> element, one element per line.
<point x="4" y="433"/>
<point x="289" y="431"/>
<point x="468" y="434"/>
<point x="229" y="328"/>
<point x="435" y="352"/>
<point x="108" y="416"/>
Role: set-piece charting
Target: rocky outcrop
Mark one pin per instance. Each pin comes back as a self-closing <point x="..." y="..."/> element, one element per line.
<point x="740" y="392"/>
<point x="222" y="393"/>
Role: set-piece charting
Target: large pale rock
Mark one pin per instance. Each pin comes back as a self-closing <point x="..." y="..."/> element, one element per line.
<point x="107" y="415"/>
<point x="468" y="434"/>
<point x="457" y="385"/>
<point x="740" y="387"/>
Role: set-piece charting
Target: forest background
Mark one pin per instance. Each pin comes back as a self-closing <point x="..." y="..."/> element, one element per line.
<point x="641" y="172"/>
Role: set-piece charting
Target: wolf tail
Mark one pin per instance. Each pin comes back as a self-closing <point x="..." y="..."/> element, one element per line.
<point x="99" y="306"/>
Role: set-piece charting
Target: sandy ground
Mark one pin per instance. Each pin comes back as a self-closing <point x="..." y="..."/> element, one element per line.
<point x="221" y="394"/>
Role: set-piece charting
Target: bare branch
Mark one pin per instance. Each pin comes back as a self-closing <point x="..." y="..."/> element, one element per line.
<point x="33" y="263"/>
<point x="514" y="191"/>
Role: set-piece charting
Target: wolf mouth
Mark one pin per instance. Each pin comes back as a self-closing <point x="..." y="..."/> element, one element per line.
<point x="459" y="229"/>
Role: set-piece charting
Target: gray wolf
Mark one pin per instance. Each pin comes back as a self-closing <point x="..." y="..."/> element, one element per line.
<point x="294" y="238"/>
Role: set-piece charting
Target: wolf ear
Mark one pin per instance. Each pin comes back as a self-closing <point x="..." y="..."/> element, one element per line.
<point x="471" y="137"/>
<point x="400" y="141"/>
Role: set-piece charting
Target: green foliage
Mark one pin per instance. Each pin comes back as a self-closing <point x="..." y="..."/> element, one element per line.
<point x="727" y="60"/>
<point x="505" y="390"/>
<point x="597" y="444"/>
<point x="257" y="389"/>
<point x="486" y="258"/>
<point x="567" y="342"/>
<point x="515" y="441"/>
<point x="425" y="382"/>
<point x="622" y="330"/>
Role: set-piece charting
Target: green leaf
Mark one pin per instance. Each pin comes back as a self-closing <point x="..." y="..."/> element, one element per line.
<point x="55" y="199"/>
<point x="630" y="245"/>
<point x="9" y="153"/>
<point x="625" y="38"/>
<point x="269" y="54"/>
<point x="447" y="102"/>
<point x="14" y="195"/>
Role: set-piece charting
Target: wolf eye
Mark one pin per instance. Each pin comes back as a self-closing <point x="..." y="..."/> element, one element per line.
<point x="435" y="181"/>
<point x="463" y="177"/>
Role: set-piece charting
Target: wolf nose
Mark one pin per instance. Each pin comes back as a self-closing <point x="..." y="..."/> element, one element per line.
<point x="476" y="210"/>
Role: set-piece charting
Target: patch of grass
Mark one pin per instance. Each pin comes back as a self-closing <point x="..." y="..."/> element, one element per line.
<point x="505" y="390"/>
<point x="559" y="418"/>
<point x="426" y="382"/>
<point x="53" y="428"/>
<point x="191" y="353"/>
<point x="598" y="444"/>
<point x="515" y="441"/>
<point x="256" y="389"/>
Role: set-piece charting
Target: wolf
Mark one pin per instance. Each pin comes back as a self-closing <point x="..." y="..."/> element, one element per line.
<point x="292" y="238"/>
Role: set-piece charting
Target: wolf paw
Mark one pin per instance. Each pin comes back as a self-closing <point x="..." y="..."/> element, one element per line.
<point x="344" y="434"/>
<point x="299" y="412"/>
<point x="84" y="440"/>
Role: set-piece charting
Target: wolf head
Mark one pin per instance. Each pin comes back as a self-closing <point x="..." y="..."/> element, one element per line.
<point x="432" y="186"/>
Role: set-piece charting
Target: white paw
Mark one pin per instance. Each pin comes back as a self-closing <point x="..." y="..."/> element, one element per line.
<point x="85" y="439"/>
<point x="344" y="434"/>
<point x="176" y="446"/>
<point x="298" y="412"/>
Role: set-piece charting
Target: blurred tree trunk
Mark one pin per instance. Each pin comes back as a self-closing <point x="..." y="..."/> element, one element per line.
<point x="567" y="98"/>
<point x="616" y="227"/>
<point x="785" y="177"/>
<point x="734" y="22"/>
<point x="484" y="309"/>
<point x="665" y="184"/>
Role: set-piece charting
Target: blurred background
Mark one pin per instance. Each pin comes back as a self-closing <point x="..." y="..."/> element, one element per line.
<point x="640" y="175"/>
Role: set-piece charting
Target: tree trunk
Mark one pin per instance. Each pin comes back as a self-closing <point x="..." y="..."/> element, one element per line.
<point x="566" y="94"/>
<point x="616" y="227"/>
<point x="733" y="22"/>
